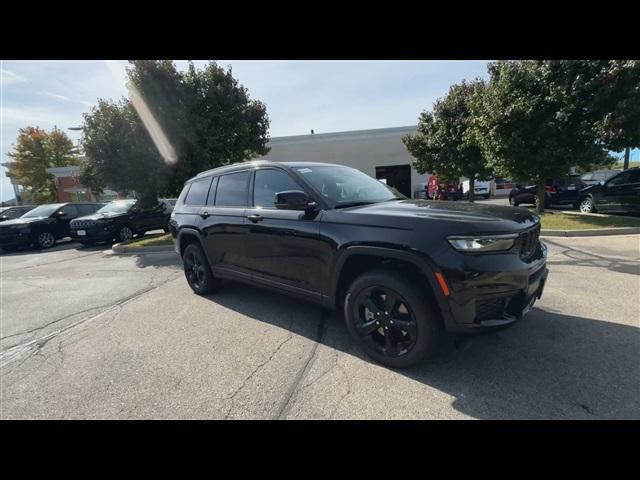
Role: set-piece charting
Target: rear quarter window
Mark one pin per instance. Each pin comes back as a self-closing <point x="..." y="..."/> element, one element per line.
<point x="197" y="194"/>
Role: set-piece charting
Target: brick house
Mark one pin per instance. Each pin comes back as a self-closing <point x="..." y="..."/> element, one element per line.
<point x="71" y="190"/>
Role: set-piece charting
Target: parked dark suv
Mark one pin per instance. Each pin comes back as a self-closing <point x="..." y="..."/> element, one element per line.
<point x="559" y="191"/>
<point x="621" y="193"/>
<point x="401" y="270"/>
<point x="10" y="213"/>
<point x="120" y="220"/>
<point x="43" y="225"/>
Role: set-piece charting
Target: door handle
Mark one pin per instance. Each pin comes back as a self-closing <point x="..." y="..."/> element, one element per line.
<point x="255" y="218"/>
<point x="204" y="214"/>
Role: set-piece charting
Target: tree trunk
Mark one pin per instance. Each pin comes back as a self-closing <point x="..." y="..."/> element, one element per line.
<point x="627" y="153"/>
<point x="472" y="189"/>
<point x="542" y="195"/>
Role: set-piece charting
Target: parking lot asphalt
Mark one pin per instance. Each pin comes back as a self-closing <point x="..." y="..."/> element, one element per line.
<point x="85" y="335"/>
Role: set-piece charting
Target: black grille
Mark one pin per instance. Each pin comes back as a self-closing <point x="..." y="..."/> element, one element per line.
<point x="82" y="223"/>
<point x="527" y="242"/>
<point x="489" y="309"/>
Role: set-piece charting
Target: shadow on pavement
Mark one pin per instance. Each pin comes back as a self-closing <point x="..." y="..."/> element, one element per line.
<point x="581" y="258"/>
<point x="550" y="365"/>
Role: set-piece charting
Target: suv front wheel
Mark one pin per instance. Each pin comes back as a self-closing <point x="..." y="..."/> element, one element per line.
<point x="586" y="205"/>
<point x="390" y="319"/>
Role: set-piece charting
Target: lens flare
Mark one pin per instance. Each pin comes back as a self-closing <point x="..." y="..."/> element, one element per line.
<point x="154" y="129"/>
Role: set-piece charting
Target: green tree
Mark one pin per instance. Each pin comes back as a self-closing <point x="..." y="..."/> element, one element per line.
<point x="119" y="153"/>
<point x="207" y="116"/>
<point x="35" y="151"/>
<point x="606" y="93"/>
<point x="526" y="129"/>
<point x="442" y="143"/>
<point x="177" y="124"/>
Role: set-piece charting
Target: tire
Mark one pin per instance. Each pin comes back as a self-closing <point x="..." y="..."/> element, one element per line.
<point x="197" y="270"/>
<point x="486" y="197"/>
<point x="586" y="205"/>
<point x="125" y="232"/>
<point x="166" y="230"/>
<point x="423" y="327"/>
<point x="44" y="239"/>
<point x="513" y="202"/>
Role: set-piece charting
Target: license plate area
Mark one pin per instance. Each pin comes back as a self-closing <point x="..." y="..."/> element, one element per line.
<point x="82" y="233"/>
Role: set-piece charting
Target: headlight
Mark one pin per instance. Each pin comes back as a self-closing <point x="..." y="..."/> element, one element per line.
<point x="483" y="243"/>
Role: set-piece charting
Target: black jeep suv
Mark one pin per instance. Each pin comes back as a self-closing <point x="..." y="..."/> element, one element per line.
<point x="621" y="193"/>
<point x="43" y="225"/>
<point x="401" y="270"/>
<point x="120" y="220"/>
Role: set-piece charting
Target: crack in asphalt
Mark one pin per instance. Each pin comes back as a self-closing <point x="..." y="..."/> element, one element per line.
<point x="286" y="405"/>
<point x="33" y="347"/>
<point x="345" y="395"/>
<point x="255" y="370"/>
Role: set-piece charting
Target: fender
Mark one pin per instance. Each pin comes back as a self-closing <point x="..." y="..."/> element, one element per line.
<point x="194" y="232"/>
<point x="423" y="262"/>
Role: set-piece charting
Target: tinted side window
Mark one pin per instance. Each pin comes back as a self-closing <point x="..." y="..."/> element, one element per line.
<point x="70" y="211"/>
<point x="620" y="179"/>
<point x="86" y="209"/>
<point x="14" y="213"/>
<point x="635" y="176"/>
<point x="267" y="183"/>
<point x="232" y="190"/>
<point x="198" y="192"/>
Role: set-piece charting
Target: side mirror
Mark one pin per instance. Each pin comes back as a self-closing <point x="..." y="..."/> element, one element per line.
<point x="294" y="200"/>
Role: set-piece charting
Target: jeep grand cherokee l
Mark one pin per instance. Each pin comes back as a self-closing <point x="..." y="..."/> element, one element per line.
<point x="43" y="225"/>
<point x="120" y="220"/>
<point x="401" y="270"/>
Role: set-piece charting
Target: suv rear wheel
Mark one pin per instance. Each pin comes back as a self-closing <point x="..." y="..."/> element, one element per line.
<point x="390" y="319"/>
<point x="197" y="270"/>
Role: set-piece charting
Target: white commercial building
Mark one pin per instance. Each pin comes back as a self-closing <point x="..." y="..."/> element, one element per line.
<point x="379" y="153"/>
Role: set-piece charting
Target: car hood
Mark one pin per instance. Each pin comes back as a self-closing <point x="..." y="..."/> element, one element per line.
<point x="98" y="216"/>
<point x="591" y="188"/>
<point x="493" y="216"/>
<point x="23" y="221"/>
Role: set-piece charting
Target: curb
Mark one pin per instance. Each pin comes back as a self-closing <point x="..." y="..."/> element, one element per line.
<point x="593" y="232"/>
<point x="120" y="249"/>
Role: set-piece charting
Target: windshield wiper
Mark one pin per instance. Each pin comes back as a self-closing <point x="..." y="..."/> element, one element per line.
<point x="352" y="204"/>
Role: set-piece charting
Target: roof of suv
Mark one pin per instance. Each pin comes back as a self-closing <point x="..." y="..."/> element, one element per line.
<point x="257" y="163"/>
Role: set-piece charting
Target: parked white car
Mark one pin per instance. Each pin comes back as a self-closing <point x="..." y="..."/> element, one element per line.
<point x="481" y="188"/>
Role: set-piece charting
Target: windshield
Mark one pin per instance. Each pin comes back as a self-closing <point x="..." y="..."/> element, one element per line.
<point x="117" y="206"/>
<point x="344" y="186"/>
<point x="42" y="211"/>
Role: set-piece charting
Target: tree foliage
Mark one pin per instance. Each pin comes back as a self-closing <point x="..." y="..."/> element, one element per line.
<point x="528" y="127"/>
<point x="119" y="153"/>
<point x="35" y="151"/>
<point x="443" y="144"/>
<point x="205" y="115"/>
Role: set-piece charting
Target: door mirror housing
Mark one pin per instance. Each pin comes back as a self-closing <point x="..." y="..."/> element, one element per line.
<point x="294" y="200"/>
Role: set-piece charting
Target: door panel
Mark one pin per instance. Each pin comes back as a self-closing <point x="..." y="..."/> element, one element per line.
<point x="223" y="230"/>
<point x="282" y="246"/>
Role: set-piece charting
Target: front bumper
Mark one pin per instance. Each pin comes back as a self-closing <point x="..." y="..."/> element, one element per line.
<point x="15" y="238"/>
<point x="95" y="233"/>
<point x="494" y="291"/>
